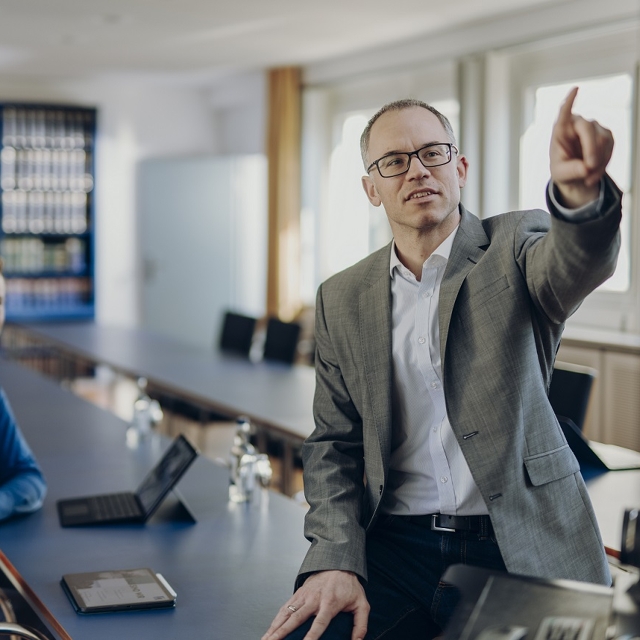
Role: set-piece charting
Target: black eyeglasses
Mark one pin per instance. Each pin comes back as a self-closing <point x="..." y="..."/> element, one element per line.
<point x="431" y="155"/>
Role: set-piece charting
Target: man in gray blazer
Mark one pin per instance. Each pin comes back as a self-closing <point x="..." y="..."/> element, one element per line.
<point x="435" y="442"/>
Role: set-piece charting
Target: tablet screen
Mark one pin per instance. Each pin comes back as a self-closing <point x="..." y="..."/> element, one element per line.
<point x="118" y="590"/>
<point x="165" y="474"/>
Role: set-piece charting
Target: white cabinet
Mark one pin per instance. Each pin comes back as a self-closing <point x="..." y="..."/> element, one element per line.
<point x="621" y="399"/>
<point x="614" y="409"/>
<point x="588" y="358"/>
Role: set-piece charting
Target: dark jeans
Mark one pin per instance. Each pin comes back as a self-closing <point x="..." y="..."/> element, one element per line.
<point x="405" y="560"/>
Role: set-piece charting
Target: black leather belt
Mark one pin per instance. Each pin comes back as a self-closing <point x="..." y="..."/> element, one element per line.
<point x="442" y="522"/>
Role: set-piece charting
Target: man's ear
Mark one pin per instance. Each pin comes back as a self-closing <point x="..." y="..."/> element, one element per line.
<point x="462" y="167"/>
<point x="371" y="191"/>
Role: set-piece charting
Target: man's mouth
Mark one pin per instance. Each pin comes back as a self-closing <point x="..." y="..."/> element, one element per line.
<point x="423" y="193"/>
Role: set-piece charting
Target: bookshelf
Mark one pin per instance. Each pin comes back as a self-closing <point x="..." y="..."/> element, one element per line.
<point x="46" y="210"/>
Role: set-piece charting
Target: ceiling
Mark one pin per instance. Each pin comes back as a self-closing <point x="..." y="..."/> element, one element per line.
<point x="205" y="39"/>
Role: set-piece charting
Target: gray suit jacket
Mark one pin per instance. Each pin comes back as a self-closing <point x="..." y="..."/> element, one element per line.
<point x="510" y="283"/>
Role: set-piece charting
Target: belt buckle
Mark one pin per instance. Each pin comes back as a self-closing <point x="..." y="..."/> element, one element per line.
<point x="435" y="527"/>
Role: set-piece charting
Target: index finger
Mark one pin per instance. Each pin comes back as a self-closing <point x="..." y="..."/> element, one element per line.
<point x="564" y="115"/>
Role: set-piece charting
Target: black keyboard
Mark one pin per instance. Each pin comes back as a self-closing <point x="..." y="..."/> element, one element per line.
<point x="115" y="506"/>
<point x="565" y="628"/>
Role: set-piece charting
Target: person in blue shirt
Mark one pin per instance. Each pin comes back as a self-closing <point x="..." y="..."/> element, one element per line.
<point x="22" y="485"/>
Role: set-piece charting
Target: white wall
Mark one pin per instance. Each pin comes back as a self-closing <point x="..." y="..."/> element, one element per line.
<point x="239" y="104"/>
<point x="138" y="118"/>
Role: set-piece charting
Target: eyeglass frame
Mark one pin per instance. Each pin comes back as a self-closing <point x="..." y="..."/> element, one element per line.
<point x="414" y="153"/>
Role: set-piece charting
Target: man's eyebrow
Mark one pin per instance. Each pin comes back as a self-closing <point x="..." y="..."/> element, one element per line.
<point x="388" y="153"/>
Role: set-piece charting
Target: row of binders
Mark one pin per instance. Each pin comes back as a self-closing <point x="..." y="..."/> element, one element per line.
<point x="33" y="255"/>
<point x="44" y="212"/>
<point x="29" y="294"/>
<point x="37" y="128"/>
<point x="45" y="169"/>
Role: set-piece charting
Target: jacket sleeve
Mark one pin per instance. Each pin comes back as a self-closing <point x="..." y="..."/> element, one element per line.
<point x="563" y="266"/>
<point x="333" y="468"/>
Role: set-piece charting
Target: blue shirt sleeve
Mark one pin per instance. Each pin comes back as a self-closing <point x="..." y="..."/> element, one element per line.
<point x="22" y="485"/>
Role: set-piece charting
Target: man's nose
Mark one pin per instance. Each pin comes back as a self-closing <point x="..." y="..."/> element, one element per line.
<point x="416" y="168"/>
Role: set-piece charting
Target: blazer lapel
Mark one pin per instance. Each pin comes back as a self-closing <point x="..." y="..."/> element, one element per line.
<point x="375" y="334"/>
<point x="467" y="249"/>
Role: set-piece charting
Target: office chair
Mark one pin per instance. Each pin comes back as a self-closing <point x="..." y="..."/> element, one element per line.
<point x="570" y="390"/>
<point x="237" y="333"/>
<point x="281" y="340"/>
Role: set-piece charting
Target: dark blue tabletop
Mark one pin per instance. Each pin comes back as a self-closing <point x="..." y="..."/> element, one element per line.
<point x="275" y="395"/>
<point x="231" y="570"/>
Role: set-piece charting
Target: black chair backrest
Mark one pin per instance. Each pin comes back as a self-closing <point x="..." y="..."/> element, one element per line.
<point x="237" y="333"/>
<point x="570" y="390"/>
<point x="281" y="340"/>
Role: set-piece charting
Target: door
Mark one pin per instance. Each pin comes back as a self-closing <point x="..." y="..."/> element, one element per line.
<point x="203" y="240"/>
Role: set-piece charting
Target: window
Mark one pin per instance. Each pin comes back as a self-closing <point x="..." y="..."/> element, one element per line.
<point x="349" y="213"/>
<point x="603" y="66"/>
<point x="607" y="100"/>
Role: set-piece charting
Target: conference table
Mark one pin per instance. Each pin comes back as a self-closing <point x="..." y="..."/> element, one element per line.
<point x="611" y="493"/>
<point x="231" y="570"/>
<point x="278" y="398"/>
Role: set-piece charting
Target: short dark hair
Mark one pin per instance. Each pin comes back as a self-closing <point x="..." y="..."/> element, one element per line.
<point x="400" y="105"/>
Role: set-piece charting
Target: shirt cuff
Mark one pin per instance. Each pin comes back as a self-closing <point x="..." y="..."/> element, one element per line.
<point x="588" y="211"/>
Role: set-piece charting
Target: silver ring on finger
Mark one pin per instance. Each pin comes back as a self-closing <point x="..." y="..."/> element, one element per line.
<point x="292" y="608"/>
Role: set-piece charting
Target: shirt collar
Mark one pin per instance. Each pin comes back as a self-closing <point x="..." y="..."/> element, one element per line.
<point x="443" y="250"/>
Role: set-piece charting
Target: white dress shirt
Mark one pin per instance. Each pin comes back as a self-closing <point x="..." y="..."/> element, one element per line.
<point x="427" y="471"/>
